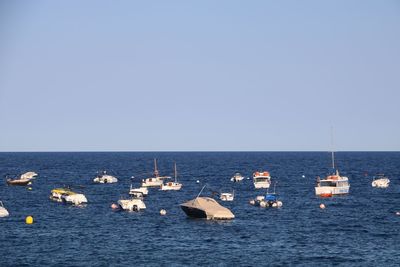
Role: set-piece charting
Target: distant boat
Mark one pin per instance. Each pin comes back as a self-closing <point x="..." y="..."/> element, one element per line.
<point x="24" y="179"/>
<point x="155" y="181"/>
<point x="143" y="190"/>
<point x="172" y="185"/>
<point x="237" y="177"/>
<point x="227" y="196"/>
<point x="380" y="181"/>
<point x="104" y="178"/>
<point x="261" y="179"/>
<point x="206" y="208"/>
<point x="3" y="210"/>
<point x="66" y="195"/>
<point x="135" y="203"/>
<point x="333" y="184"/>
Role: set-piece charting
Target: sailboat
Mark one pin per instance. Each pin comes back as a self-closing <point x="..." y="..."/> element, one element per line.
<point x="333" y="184"/>
<point x="155" y="181"/>
<point x="172" y="185"/>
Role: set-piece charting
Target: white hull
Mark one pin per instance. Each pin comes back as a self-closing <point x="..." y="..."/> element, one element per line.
<point x="3" y="212"/>
<point x="131" y="204"/>
<point x="381" y="183"/>
<point x="226" y="197"/>
<point x="258" y="185"/>
<point x="75" y="199"/>
<point x="152" y="182"/>
<point x="331" y="190"/>
<point x="171" y="186"/>
<point x="105" y="179"/>
<point x="143" y="190"/>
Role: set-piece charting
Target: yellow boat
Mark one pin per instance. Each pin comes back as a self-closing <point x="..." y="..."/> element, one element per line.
<point x="66" y="195"/>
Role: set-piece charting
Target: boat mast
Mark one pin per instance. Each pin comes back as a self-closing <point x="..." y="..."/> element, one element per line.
<point x="333" y="153"/>
<point x="175" y="173"/>
<point x="155" y="168"/>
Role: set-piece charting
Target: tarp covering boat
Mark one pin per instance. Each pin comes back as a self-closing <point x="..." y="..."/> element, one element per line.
<point x="208" y="208"/>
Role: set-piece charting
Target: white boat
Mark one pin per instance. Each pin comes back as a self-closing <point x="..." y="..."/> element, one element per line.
<point x="172" y="185"/>
<point x="135" y="203"/>
<point x="104" y="178"/>
<point x="3" y="210"/>
<point x="67" y="196"/>
<point x="333" y="184"/>
<point x="206" y="208"/>
<point x="155" y="181"/>
<point x="143" y="190"/>
<point x="261" y="180"/>
<point x="237" y="177"/>
<point x="24" y="179"/>
<point x="381" y="181"/>
<point x="227" y="196"/>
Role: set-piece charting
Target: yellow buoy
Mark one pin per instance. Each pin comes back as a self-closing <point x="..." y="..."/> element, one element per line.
<point x="29" y="219"/>
<point x="29" y="188"/>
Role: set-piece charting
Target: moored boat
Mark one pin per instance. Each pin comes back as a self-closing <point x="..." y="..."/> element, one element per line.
<point x="206" y="208"/>
<point x="380" y="181"/>
<point x="155" y="181"/>
<point x="172" y="185"/>
<point x="237" y="177"/>
<point x="261" y="179"/>
<point x="66" y="195"/>
<point x="104" y="178"/>
<point x="135" y="203"/>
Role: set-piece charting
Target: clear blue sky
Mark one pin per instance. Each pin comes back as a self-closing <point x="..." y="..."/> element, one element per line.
<point x="199" y="75"/>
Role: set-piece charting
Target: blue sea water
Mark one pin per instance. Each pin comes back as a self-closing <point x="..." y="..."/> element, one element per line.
<point x="360" y="229"/>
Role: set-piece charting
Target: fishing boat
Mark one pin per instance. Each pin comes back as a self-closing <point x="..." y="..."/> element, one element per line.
<point x="206" y="208"/>
<point x="135" y="203"/>
<point x="66" y="195"/>
<point x="237" y="177"/>
<point x="172" y="185"/>
<point x="261" y="179"/>
<point x="227" y="196"/>
<point x="143" y="190"/>
<point x="104" y="178"/>
<point x="380" y="181"/>
<point x="333" y="184"/>
<point x="3" y="210"/>
<point x="155" y="181"/>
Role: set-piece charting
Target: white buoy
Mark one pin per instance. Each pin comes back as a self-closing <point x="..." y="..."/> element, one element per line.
<point x="303" y="176"/>
<point x="322" y="206"/>
<point x="198" y="181"/>
<point x="279" y="204"/>
<point x="114" y="206"/>
<point x="398" y="213"/>
<point x="163" y="212"/>
<point x="252" y="202"/>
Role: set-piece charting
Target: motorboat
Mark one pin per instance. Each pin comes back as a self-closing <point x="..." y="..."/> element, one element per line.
<point x="333" y="184"/>
<point x="227" y="196"/>
<point x="104" y="178"/>
<point x="3" y="210"/>
<point x="206" y="208"/>
<point x="237" y="177"/>
<point x="269" y="200"/>
<point x="261" y="179"/>
<point x="172" y="185"/>
<point x="66" y="195"/>
<point x="143" y="190"/>
<point x="135" y="203"/>
<point x="24" y="179"/>
<point x="380" y="181"/>
<point x="155" y="181"/>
